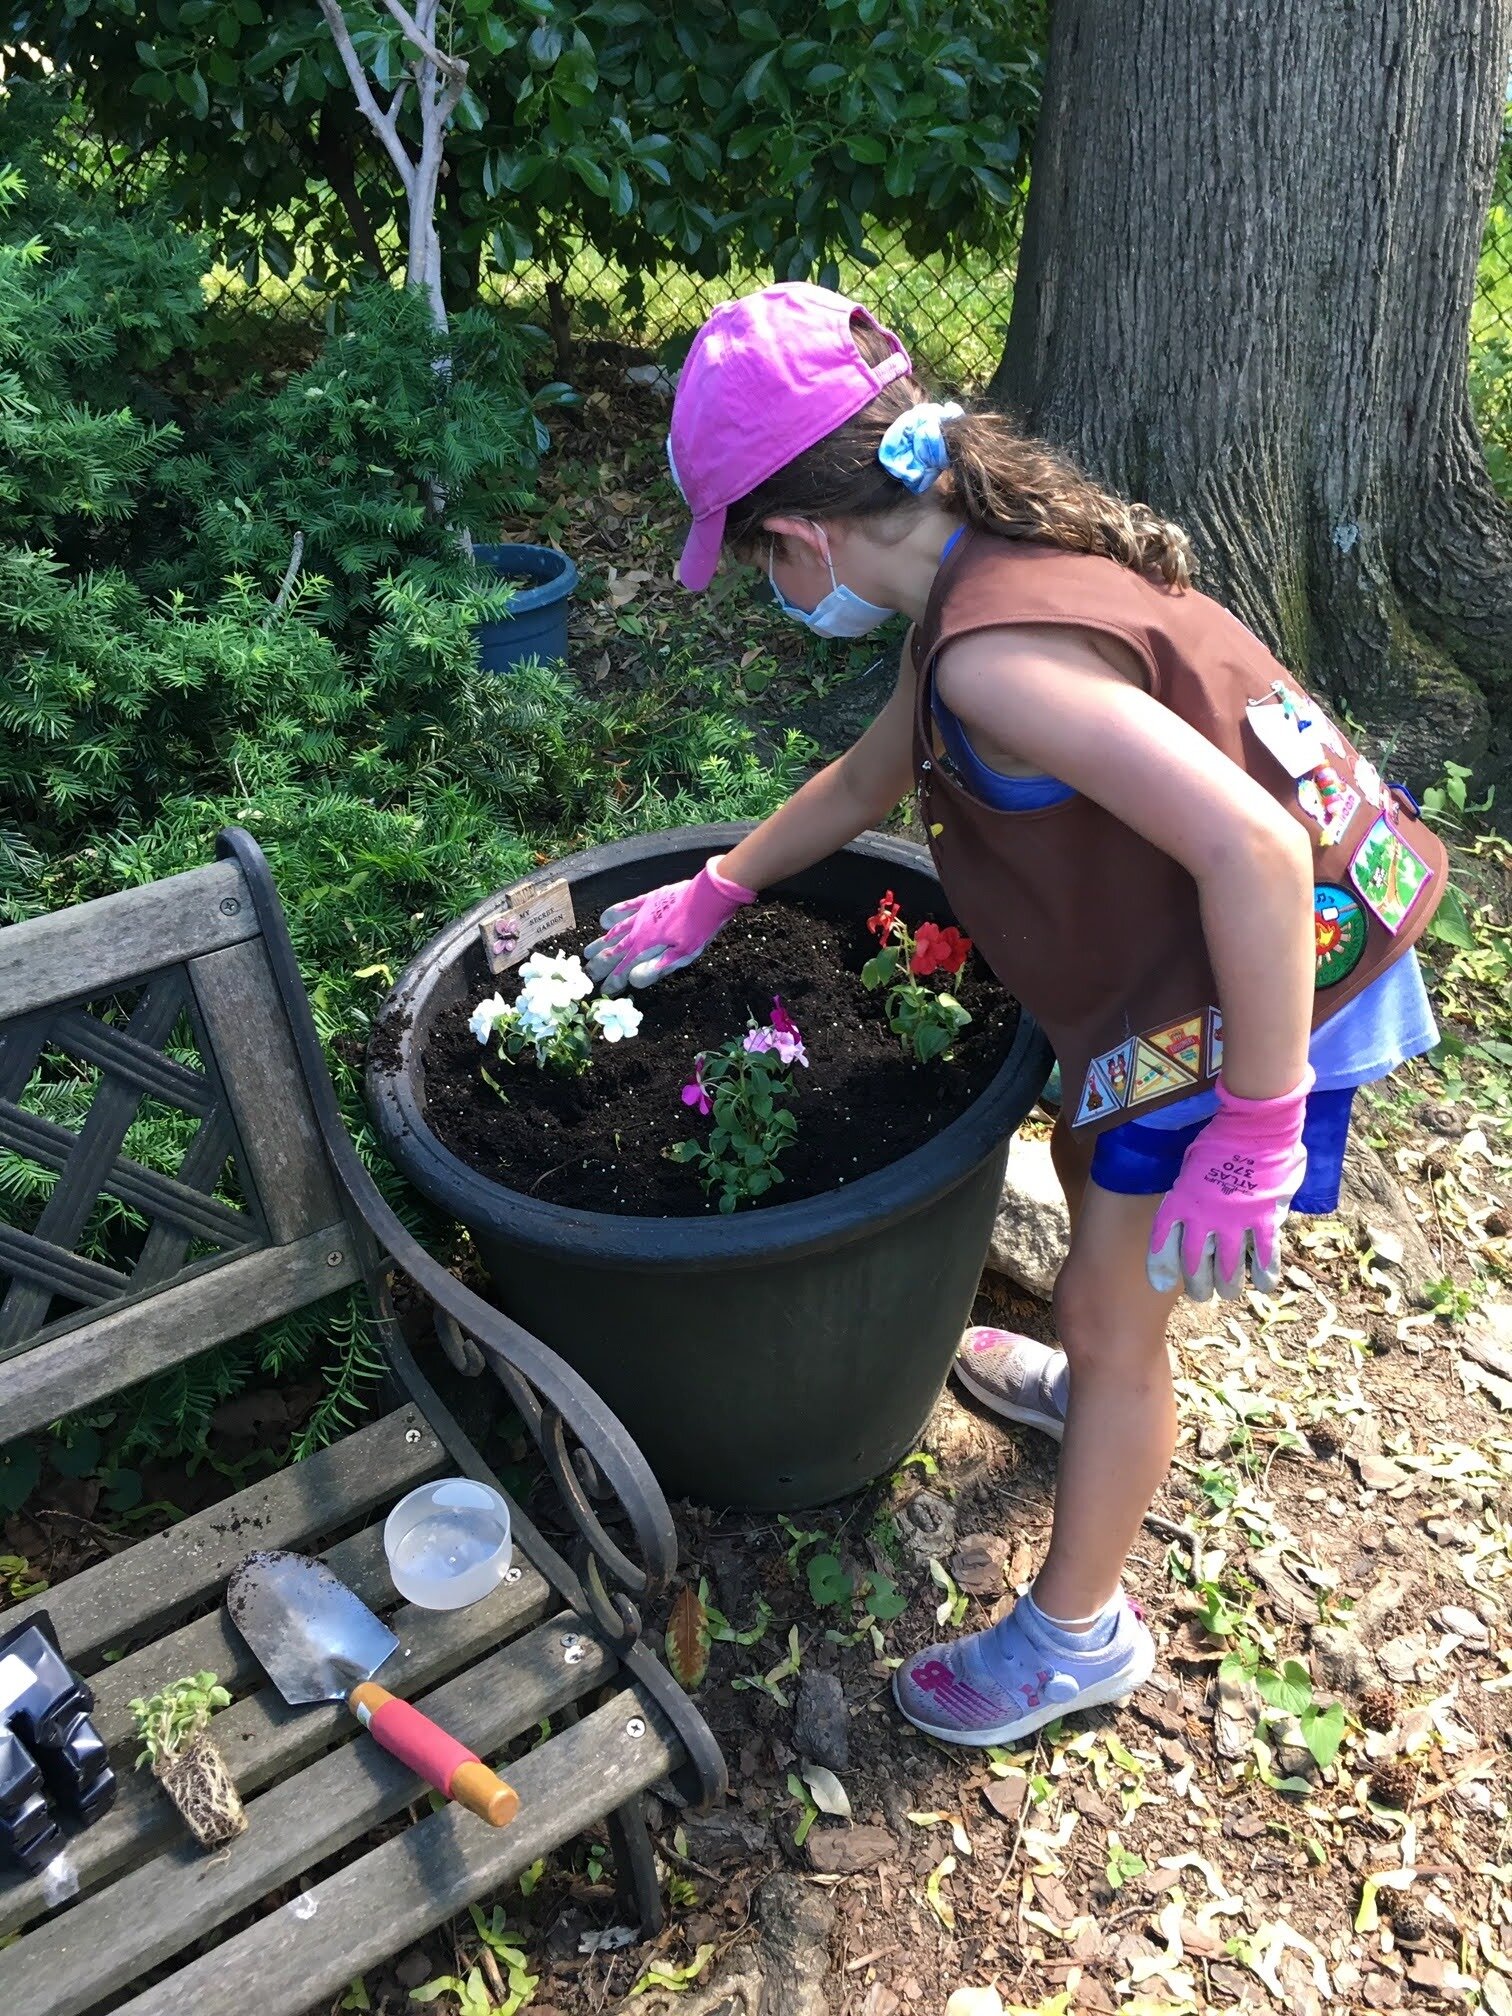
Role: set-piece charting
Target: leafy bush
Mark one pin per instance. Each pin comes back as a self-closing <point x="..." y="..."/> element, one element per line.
<point x="631" y="125"/>
<point x="158" y="680"/>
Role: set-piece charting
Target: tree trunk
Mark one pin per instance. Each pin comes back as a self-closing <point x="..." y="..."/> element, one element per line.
<point x="1244" y="296"/>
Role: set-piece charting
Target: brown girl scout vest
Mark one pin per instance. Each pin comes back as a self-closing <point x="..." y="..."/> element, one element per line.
<point x="1096" y="930"/>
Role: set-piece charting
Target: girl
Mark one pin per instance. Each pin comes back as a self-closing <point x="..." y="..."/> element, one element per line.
<point x="1160" y="845"/>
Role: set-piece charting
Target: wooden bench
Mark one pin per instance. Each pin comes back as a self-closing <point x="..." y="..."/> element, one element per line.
<point x="133" y="1916"/>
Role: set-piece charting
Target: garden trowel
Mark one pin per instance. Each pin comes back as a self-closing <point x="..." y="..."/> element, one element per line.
<point x="317" y="1641"/>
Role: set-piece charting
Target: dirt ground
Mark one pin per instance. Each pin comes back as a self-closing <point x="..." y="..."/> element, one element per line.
<point x="1341" y="1499"/>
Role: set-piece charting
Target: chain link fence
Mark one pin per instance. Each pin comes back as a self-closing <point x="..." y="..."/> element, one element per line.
<point x="952" y="313"/>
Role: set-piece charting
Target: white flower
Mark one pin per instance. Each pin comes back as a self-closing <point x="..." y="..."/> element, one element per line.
<point x="482" y="1019"/>
<point x="558" y="982"/>
<point x="616" y="1019"/>
<point x="536" y="1018"/>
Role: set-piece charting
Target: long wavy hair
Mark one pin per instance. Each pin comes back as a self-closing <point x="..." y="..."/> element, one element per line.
<point x="998" y="480"/>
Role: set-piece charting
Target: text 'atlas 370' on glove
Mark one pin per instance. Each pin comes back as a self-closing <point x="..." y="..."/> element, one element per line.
<point x="1222" y="1217"/>
<point x="655" y="934"/>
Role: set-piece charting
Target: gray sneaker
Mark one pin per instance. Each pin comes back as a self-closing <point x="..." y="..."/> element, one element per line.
<point x="999" y="1685"/>
<point x="1019" y="1378"/>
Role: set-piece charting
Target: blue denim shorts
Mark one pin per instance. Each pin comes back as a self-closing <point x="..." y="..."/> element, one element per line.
<point x="1136" y="1160"/>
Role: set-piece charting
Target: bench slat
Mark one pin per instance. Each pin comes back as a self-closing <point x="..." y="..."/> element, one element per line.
<point x="213" y="1645"/>
<point x="98" y="946"/>
<point x="263" y="1739"/>
<point x="229" y="1297"/>
<point x="154" y="1582"/>
<point x="244" y="1020"/>
<point x="162" y="1906"/>
<point x="305" y="1951"/>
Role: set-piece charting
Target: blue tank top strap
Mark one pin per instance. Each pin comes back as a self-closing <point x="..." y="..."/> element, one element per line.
<point x="1003" y="794"/>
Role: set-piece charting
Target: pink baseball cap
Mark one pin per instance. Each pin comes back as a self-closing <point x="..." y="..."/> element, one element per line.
<point x="767" y="377"/>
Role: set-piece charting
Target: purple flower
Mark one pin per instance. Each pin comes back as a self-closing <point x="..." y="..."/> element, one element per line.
<point x="694" y="1092"/>
<point x="787" y="1043"/>
<point x="782" y="1022"/>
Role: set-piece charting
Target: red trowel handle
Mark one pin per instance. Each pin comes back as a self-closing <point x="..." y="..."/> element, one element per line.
<point x="440" y="1759"/>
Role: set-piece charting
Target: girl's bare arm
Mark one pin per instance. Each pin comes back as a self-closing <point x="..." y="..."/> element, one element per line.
<point x="1055" y="701"/>
<point x="854" y="792"/>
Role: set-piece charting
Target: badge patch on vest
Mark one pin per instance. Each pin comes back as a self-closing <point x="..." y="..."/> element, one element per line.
<point x="1156" y="1073"/>
<point x="1291" y="736"/>
<point x="1163" y="1060"/>
<point x="1098" y="1096"/>
<point x="1117" y="1067"/>
<point x="1368" y="780"/>
<point x="1340" y="929"/>
<point x="1328" y="801"/>
<point x="1181" y="1042"/>
<point x="1214" y="1041"/>
<point x="1388" y="874"/>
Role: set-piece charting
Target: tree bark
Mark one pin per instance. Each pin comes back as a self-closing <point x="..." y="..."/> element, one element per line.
<point x="1244" y="296"/>
<point x="334" y="158"/>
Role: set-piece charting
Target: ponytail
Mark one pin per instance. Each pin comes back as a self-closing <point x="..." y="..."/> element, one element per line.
<point x="998" y="480"/>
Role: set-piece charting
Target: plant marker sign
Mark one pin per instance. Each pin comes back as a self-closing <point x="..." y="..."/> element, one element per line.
<point x="532" y="911"/>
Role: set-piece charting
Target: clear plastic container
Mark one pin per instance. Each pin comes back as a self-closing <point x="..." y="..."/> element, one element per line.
<point x="448" y="1543"/>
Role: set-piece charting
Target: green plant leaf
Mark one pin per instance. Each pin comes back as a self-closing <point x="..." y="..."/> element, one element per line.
<point x="1449" y="922"/>
<point x="1323" y="1732"/>
<point x="828" y="1582"/>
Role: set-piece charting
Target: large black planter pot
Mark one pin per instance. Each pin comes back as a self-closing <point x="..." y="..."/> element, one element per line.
<point x="771" y="1359"/>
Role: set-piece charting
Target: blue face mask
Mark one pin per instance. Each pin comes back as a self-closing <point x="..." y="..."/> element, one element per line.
<point x="840" y="613"/>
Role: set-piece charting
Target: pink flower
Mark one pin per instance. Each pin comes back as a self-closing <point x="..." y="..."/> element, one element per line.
<point x="694" y="1093"/>
<point x="782" y="1022"/>
<point x="787" y="1043"/>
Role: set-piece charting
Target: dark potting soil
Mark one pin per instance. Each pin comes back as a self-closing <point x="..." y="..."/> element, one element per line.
<point x="597" y="1142"/>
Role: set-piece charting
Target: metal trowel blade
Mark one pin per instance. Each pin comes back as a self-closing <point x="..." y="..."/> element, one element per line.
<point x="314" y="1638"/>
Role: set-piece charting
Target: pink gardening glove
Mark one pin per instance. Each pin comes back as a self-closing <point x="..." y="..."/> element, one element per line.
<point x="1222" y="1215"/>
<point x="651" y="935"/>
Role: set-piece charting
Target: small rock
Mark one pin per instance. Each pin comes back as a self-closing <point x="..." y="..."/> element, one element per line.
<point x="974" y="2002"/>
<point x="414" y="1969"/>
<point x="566" y="1930"/>
<point x="978" y="1563"/>
<point x="1032" y="1233"/>
<point x="1343" y="1663"/>
<point x="880" y="2001"/>
<point x="821" y="1726"/>
<point x="1462" y="1622"/>
<point x="1295" y="1760"/>
<point x="843" y="1851"/>
<point x="1383" y="1991"/>
<point x="1399" y="1657"/>
<point x="1379" y="1473"/>
<point x="1006" y="1796"/>
<point x="715" y="1839"/>
<point x="926" y="1528"/>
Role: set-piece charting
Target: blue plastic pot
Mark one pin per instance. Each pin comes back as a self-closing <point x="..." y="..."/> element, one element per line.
<point x="536" y="626"/>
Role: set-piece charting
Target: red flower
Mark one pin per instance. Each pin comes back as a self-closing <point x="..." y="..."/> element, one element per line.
<point x="888" y="911"/>
<point x="939" y="950"/>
